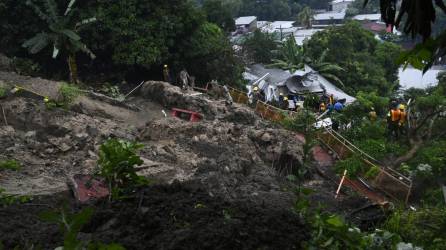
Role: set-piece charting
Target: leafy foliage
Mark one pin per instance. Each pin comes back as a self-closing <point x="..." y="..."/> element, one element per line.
<point x="293" y="57"/>
<point x="329" y="231"/>
<point x="117" y="160"/>
<point x="10" y="164"/>
<point x="219" y="13"/>
<point x="260" y="47"/>
<point x="71" y="224"/>
<point x="369" y="64"/>
<point x="61" y="33"/>
<point x="305" y="17"/>
<point x="69" y="93"/>
<point x="2" y="92"/>
<point x="425" y="226"/>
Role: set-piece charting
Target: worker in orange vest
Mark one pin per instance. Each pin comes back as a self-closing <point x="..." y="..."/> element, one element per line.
<point x="402" y="120"/>
<point x="393" y="118"/>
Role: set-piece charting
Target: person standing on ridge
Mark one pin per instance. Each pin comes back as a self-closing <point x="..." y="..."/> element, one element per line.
<point x="166" y="74"/>
<point x="372" y="115"/>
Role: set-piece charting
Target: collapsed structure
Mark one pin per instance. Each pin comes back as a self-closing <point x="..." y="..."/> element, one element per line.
<point x="301" y="82"/>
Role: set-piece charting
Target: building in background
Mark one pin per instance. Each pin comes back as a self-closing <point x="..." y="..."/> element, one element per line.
<point x="246" y="23"/>
<point x="328" y="18"/>
<point x="340" y="5"/>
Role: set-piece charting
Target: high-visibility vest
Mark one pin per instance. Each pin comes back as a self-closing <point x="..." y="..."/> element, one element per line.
<point x="402" y="117"/>
<point x="372" y="116"/>
<point x="395" y="115"/>
<point x="322" y="107"/>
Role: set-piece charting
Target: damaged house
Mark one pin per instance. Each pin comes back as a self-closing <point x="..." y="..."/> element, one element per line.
<point x="299" y="83"/>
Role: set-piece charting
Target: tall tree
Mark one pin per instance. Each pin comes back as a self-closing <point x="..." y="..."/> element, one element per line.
<point x="219" y="14"/>
<point x="305" y="17"/>
<point x="61" y="33"/>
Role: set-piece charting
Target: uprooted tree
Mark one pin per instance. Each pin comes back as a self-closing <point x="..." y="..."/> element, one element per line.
<point x="426" y="119"/>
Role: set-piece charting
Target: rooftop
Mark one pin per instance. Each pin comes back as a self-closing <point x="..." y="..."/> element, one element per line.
<point x="330" y="15"/>
<point x="341" y="1"/>
<point x="245" y="20"/>
<point x="276" y="26"/>
<point x="301" y="35"/>
<point x="371" y="17"/>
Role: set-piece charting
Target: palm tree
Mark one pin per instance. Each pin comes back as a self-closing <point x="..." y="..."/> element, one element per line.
<point x="305" y="17"/>
<point x="61" y="34"/>
<point x="292" y="57"/>
<point x="326" y="69"/>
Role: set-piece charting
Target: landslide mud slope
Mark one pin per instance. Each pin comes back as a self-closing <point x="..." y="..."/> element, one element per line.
<point x="218" y="183"/>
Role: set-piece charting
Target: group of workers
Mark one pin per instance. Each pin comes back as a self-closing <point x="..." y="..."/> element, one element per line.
<point x="185" y="80"/>
<point x="330" y="103"/>
<point x="293" y="102"/>
<point x="396" y="120"/>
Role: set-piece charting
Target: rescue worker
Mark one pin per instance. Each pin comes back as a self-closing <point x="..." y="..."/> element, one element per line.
<point x="184" y="78"/>
<point x="166" y="74"/>
<point x="285" y="103"/>
<point x="338" y="106"/>
<point x="402" y="120"/>
<point x="254" y="95"/>
<point x="322" y="107"/>
<point x="292" y="104"/>
<point x="372" y="115"/>
<point x="393" y="118"/>
<point x="331" y="99"/>
<point x="228" y="97"/>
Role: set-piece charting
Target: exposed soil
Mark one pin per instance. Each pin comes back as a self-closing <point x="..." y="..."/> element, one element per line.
<point x="219" y="183"/>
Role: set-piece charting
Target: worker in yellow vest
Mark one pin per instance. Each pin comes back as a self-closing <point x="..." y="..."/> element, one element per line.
<point x="402" y="120"/>
<point x="372" y="115"/>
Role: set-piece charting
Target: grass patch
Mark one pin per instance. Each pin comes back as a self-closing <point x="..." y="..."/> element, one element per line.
<point x="2" y="92"/>
<point x="10" y="164"/>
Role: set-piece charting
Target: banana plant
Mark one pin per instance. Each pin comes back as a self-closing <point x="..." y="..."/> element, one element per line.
<point x="61" y="33"/>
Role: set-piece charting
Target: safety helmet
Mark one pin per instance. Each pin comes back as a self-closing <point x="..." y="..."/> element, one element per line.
<point x="256" y="88"/>
<point x="286" y="98"/>
<point x="165" y="65"/>
<point x="402" y="107"/>
<point x="281" y="94"/>
<point x="46" y="99"/>
<point x="372" y="108"/>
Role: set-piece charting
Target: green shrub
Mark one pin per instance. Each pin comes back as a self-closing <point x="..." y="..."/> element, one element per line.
<point x="425" y="226"/>
<point x="69" y="93"/>
<point x="2" y="92"/>
<point x="117" y="161"/>
<point x="354" y="166"/>
<point x="11" y="199"/>
<point x="25" y="66"/>
<point x="112" y="91"/>
<point x="10" y="164"/>
<point x="70" y="225"/>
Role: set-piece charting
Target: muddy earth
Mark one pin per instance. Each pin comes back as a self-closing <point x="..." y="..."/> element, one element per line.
<point x="216" y="184"/>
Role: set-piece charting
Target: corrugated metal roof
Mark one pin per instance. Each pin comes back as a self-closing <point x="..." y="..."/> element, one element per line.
<point x="245" y="20"/>
<point x="330" y="15"/>
<point x="371" y="17"/>
<point x="341" y="1"/>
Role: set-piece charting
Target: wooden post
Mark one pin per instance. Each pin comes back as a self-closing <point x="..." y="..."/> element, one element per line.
<point x="340" y="184"/>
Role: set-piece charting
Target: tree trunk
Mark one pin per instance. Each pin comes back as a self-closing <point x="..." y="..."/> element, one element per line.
<point x="415" y="146"/>
<point x="73" y="68"/>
